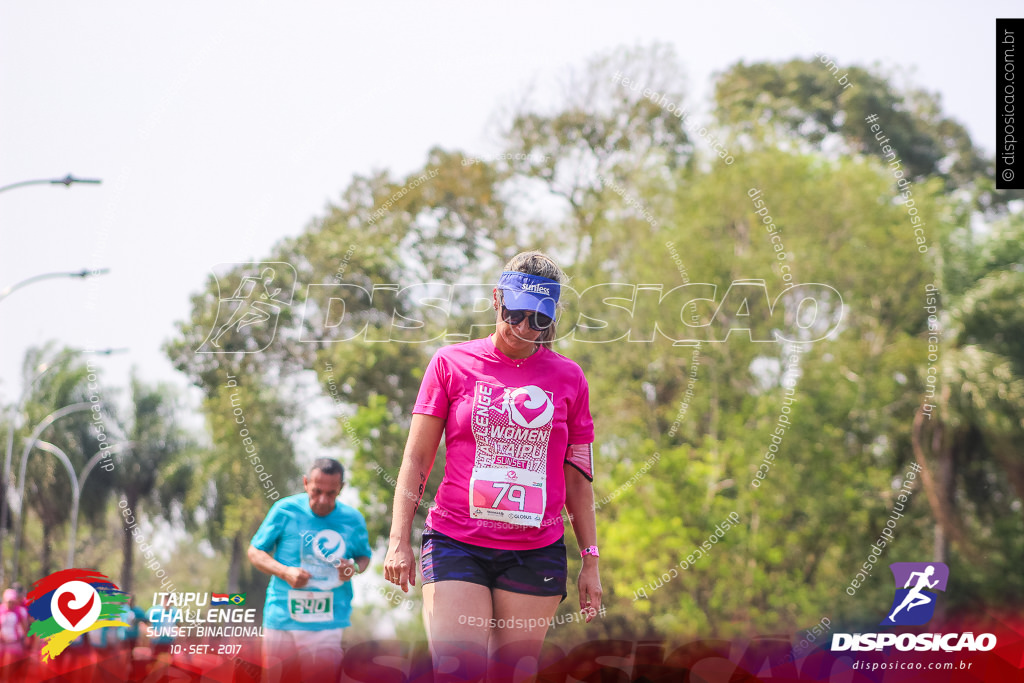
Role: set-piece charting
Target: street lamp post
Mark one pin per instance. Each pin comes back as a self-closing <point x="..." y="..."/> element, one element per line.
<point x="43" y="424"/>
<point x="66" y="181"/>
<point x="76" y="493"/>
<point x="83" y="273"/>
<point x="86" y="471"/>
<point x="6" y="476"/>
<point x="43" y="368"/>
<point x="78" y="485"/>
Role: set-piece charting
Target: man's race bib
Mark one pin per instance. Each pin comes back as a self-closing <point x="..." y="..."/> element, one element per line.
<point x="311" y="606"/>
<point x="512" y="427"/>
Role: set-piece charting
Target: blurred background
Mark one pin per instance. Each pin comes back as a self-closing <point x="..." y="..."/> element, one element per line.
<point x="350" y="147"/>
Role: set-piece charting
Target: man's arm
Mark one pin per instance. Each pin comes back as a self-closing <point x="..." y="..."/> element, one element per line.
<point x="296" y="577"/>
<point x="348" y="568"/>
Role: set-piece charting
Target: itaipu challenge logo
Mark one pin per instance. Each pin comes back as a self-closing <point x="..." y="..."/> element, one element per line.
<point x="71" y="602"/>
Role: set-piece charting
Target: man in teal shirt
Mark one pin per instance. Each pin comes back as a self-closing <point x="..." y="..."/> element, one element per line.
<point x="318" y="545"/>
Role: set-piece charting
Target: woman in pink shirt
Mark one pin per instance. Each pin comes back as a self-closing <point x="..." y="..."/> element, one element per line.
<point x="518" y="440"/>
<point x="13" y="627"/>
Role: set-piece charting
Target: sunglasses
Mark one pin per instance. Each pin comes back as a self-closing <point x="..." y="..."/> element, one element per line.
<point x="537" y="321"/>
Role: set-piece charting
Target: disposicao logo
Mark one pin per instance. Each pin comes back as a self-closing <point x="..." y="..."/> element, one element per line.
<point x="71" y="602"/>
<point x="914" y="605"/>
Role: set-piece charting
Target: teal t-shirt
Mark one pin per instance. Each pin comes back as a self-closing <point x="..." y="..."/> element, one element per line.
<point x="296" y="537"/>
<point x="131" y="616"/>
<point x="162" y="626"/>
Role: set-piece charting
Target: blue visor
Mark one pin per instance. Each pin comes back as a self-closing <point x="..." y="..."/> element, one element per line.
<point x="523" y="292"/>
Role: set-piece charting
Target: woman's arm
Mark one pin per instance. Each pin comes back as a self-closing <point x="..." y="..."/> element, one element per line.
<point x="420" y="451"/>
<point x="579" y="503"/>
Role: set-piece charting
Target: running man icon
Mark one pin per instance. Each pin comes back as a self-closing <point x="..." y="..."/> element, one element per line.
<point x="914" y="597"/>
<point x="926" y="577"/>
<point x="253" y="305"/>
<point x="254" y="302"/>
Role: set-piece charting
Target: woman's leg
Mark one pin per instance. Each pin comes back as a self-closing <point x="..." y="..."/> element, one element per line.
<point x="457" y="616"/>
<point x="520" y="624"/>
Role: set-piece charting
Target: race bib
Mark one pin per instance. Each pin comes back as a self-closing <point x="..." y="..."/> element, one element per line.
<point x="512" y="428"/>
<point x="311" y="606"/>
<point x="509" y="495"/>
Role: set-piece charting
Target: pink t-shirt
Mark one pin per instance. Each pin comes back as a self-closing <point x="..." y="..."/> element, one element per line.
<point x="508" y="423"/>
<point x="12" y="624"/>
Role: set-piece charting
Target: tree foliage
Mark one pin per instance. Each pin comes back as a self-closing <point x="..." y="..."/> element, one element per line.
<point x="155" y="470"/>
<point x="635" y="194"/>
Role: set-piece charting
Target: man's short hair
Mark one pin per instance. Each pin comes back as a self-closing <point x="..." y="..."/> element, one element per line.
<point x="328" y="466"/>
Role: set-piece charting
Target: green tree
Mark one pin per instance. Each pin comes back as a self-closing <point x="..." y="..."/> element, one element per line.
<point x="64" y="381"/>
<point x="966" y="435"/>
<point x="805" y="102"/>
<point x="249" y="418"/>
<point x="787" y="559"/>
<point x="245" y="465"/>
<point x="155" y="468"/>
<point x="636" y="197"/>
<point x="441" y="223"/>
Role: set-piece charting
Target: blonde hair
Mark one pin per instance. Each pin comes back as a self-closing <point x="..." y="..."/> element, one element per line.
<point x="539" y="264"/>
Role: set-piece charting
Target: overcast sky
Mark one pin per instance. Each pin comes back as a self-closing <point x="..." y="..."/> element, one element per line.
<point x="220" y="127"/>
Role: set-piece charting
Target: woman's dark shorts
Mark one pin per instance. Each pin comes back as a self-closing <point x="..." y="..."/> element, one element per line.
<point x="539" y="572"/>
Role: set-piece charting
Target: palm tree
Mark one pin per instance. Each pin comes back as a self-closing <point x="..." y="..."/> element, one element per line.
<point x="66" y="381"/>
<point x="155" y="469"/>
<point x="968" y="445"/>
